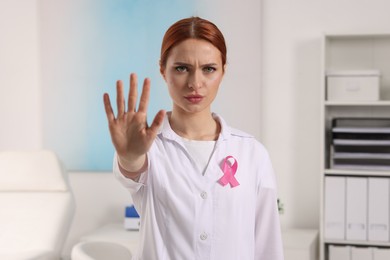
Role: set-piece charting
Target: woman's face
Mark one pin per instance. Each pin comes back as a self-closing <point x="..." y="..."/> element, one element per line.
<point x="193" y="73"/>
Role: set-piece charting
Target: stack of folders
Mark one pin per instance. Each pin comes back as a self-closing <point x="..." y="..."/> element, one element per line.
<point x="360" y="143"/>
<point x="356" y="210"/>
<point x="357" y="253"/>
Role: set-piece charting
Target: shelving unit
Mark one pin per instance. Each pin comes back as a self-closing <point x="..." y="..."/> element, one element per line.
<point x="351" y="52"/>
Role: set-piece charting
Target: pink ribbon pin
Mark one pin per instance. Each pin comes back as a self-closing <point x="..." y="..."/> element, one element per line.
<point x="229" y="169"/>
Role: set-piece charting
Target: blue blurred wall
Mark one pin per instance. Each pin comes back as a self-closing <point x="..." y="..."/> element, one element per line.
<point x="86" y="46"/>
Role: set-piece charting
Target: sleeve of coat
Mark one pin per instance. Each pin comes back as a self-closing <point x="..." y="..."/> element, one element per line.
<point x="268" y="237"/>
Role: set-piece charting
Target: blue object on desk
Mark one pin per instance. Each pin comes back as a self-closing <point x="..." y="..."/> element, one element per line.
<point x="132" y="219"/>
<point x="131" y="212"/>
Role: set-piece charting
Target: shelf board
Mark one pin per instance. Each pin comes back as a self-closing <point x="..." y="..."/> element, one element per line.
<point x="360" y="103"/>
<point x="355" y="35"/>
<point x="342" y="172"/>
<point x="358" y="243"/>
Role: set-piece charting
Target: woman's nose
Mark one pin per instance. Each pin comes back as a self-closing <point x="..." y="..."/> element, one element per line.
<point x="195" y="80"/>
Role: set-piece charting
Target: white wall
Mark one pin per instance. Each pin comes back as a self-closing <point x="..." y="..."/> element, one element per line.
<point x="20" y="92"/>
<point x="239" y="96"/>
<point x="290" y="95"/>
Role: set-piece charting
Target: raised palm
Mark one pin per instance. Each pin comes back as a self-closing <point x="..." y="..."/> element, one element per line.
<point x="130" y="133"/>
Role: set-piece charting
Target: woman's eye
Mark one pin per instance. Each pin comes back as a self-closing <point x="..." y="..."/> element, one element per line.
<point x="209" y="69"/>
<point x="181" y="68"/>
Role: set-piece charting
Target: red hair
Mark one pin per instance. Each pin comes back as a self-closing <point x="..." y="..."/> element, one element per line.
<point x="191" y="28"/>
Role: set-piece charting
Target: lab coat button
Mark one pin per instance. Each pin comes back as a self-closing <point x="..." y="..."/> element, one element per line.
<point x="203" y="236"/>
<point x="203" y="194"/>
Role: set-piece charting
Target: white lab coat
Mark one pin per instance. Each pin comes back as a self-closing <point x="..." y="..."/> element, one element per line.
<point x="186" y="215"/>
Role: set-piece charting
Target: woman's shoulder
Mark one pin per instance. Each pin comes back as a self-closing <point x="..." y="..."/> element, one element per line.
<point x="246" y="138"/>
<point x="239" y="133"/>
<point x="227" y="130"/>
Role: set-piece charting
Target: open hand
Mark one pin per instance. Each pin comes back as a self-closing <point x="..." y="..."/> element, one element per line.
<point x="130" y="133"/>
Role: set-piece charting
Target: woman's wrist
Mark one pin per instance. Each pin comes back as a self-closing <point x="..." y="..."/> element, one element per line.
<point x="132" y="168"/>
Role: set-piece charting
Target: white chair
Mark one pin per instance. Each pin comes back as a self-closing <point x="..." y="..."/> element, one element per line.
<point x="36" y="205"/>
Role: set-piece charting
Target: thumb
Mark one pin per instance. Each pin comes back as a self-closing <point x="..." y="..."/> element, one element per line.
<point x="157" y="122"/>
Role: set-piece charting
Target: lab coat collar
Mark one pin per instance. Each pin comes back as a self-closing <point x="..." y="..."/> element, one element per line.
<point x="167" y="132"/>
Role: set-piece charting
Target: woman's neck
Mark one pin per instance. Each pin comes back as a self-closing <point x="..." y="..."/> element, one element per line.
<point x="195" y="126"/>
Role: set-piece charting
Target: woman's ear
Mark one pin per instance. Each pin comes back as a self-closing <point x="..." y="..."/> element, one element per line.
<point x="162" y="69"/>
<point x="162" y="72"/>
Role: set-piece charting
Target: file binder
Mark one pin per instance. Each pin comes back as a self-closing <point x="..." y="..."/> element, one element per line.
<point x="361" y="253"/>
<point x="339" y="252"/>
<point x="356" y="223"/>
<point x="378" y="209"/>
<point x="334" y="208"/>
<point x="381" y="253"/>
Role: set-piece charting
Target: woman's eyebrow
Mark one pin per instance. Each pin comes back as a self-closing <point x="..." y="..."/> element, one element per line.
<point x="179" y="63"/>
<point x="209" y="65"/>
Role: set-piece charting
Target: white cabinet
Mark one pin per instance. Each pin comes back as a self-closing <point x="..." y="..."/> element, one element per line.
<point x="355" y="145"/>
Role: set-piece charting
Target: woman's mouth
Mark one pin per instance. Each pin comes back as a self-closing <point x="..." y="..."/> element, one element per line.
<point x="194" y="99"/>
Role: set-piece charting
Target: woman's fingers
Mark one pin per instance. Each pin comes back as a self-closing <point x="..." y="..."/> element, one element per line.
<point x="132" y="92"/>
<point x="120" y="101"/>
<point x="132" y="102"/>
<point x="144" y="100"/>
<point x="129" y="131"/>
<point x="108" y="108"/>
<point x="157" y="121"/>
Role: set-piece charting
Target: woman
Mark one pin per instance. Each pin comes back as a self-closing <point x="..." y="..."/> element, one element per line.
<point x="203" y="189"/>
